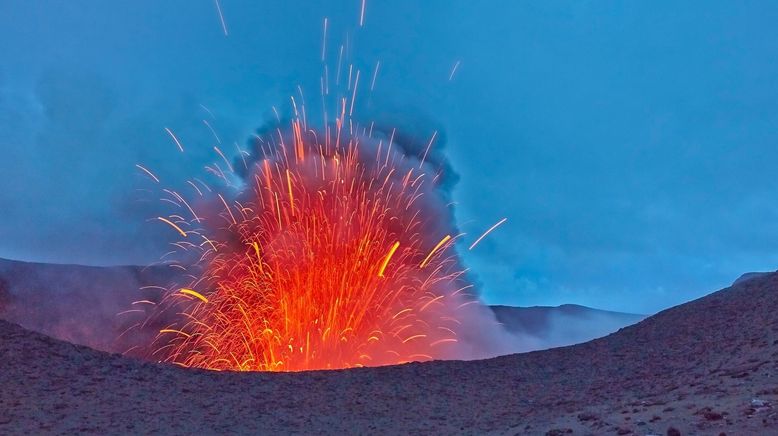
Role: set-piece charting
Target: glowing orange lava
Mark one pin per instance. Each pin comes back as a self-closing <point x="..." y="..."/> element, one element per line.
<point x="331" y="257"/>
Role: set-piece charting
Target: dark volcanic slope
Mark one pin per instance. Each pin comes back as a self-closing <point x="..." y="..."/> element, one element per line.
<point x="696" y="367"/>
<point x="80" y="303"/>
<point x="562" y="325"/>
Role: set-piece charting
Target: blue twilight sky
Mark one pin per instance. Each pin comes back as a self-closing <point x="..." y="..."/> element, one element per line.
<point x="633" y="146"/>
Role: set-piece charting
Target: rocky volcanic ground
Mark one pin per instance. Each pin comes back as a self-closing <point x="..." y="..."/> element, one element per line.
<point x="707" y="367"/>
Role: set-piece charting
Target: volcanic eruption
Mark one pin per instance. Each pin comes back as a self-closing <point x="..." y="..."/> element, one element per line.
<point x="322" y="246"/>
<point x="336" y="251"/>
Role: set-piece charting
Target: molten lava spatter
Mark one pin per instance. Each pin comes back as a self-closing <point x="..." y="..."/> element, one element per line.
<point x="332" y="256"/>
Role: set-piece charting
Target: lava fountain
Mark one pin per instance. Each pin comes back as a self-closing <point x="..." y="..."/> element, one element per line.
<point x="335" y="250"/>
<point x="333" y="255"/>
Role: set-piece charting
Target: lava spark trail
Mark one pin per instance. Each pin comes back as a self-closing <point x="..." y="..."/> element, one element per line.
<point x="453" y="71"/>
<point x="221" y="17"/>
<point x="175" y="139"/>
<point x="486" y="233"/>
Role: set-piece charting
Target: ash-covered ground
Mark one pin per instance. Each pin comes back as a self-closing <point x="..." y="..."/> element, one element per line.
<point x="705" y="367"/>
